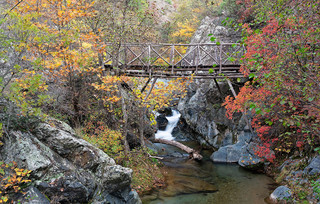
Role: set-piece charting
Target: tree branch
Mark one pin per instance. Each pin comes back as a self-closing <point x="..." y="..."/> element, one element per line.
<point x="12" y="9"/>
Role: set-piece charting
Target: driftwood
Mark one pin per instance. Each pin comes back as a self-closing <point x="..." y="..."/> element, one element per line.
<point x="193" y="153"/>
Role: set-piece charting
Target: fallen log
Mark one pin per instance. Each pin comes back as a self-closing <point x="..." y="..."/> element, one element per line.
<point x="193" y="153"/>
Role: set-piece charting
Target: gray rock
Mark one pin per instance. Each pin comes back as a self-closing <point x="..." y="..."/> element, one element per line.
<point x="129" y="197"/>
<point x="244" y="137"/>
<point x="227" y="154"/>
<point x="114" y="177"/>
<point x="201" y="110"/>
<point x="66" y="168"/>
<point x="162" y="122"/>
<point x="214" y="26"/>
<point x="282" y="193"/>
<point x="314" y="167"/>
<point x="31" y="195"/>
<point x="228" y="139"/>
<point x="248" y="159"/>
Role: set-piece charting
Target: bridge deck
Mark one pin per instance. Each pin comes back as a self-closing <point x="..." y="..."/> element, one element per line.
<point x="176" y="60"/>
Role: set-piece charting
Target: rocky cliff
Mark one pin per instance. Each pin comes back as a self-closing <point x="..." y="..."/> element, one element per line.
<point x="201" y="108"/>
<point x="214" y="26"/>
<point x="203" y="112"/>
<point x="66" y="169"/>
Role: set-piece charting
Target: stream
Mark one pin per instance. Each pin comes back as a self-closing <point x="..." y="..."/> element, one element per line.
<point x="204" y="182"/>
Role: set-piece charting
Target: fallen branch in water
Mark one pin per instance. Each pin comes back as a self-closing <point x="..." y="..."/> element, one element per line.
<point x="193" y="153"/>
<point x="150" y="156"/>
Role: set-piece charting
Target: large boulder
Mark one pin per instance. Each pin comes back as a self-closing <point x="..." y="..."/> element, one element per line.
<point x="282" y="194"/>
<point x="227" y="154"/>
<point x="249" y="159"/>
<point x="314" y="167"/>
<point x="66" y="168"/>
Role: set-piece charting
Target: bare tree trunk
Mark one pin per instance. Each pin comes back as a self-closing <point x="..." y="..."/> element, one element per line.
<point x="193" y="153"/>
<point x="152" y="85"/>
<point x="125" y="121"/>
<point x="141" y="126"/>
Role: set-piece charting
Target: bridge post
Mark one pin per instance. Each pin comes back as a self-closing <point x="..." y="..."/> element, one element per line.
<point x="198" y="58"/>
<point x="125" y="57"/>
<point x="149" y="60"/>
<point x="220" y="59"/>
<point x="172" y="58"/>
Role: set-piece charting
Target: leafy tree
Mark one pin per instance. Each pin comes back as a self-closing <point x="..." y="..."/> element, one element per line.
<point x="21" y="87"/>
<point x="282" y="59"/>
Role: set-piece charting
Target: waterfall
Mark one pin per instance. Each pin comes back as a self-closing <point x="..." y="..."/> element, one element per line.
<point x="172" y="122"/>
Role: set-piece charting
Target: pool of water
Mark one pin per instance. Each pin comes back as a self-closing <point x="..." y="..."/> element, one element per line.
<point x="192" y="182"/>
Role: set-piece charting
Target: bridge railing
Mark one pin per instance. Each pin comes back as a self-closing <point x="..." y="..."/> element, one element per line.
<point x="172" y="57"/>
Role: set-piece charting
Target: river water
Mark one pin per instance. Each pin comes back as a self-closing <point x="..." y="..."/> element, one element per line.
<point x="193" y="182"/>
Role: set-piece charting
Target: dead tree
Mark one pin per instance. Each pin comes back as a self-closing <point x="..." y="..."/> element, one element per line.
<point x="193" y="153"/>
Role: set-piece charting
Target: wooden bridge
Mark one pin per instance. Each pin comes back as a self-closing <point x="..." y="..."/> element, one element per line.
<point x="203" y="60"/>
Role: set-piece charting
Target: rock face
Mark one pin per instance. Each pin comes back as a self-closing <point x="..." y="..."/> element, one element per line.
<point x="32" y="195"/>
<point x="68" y="169"/>
<point x="201" y="109"/>
<point x="214" y="26"/>
<point x="162" y="122"/>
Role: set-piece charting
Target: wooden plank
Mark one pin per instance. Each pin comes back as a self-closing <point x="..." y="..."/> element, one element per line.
<point x="169" y="44"/>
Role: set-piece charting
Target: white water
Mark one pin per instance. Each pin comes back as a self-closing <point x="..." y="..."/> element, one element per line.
<point x="172" y="122"/>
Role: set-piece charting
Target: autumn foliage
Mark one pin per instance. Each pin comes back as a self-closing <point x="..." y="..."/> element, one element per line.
<point x="282" y="61"/>
<point x="11" y="180"/>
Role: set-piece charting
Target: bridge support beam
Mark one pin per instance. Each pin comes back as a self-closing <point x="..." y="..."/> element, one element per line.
<point x="221" y="95"/>
<point x="231" y="88"/>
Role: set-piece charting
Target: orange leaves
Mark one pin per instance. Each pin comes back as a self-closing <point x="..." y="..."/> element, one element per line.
<point x="59" y="12"/>
<point x="109" y="85"/>
<point x="285" y="57"/>
<point x="11" y="178"/>
<point x="185" y="30"/>
<point x="240" y="103"/>
<point x="60" y="43"/>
